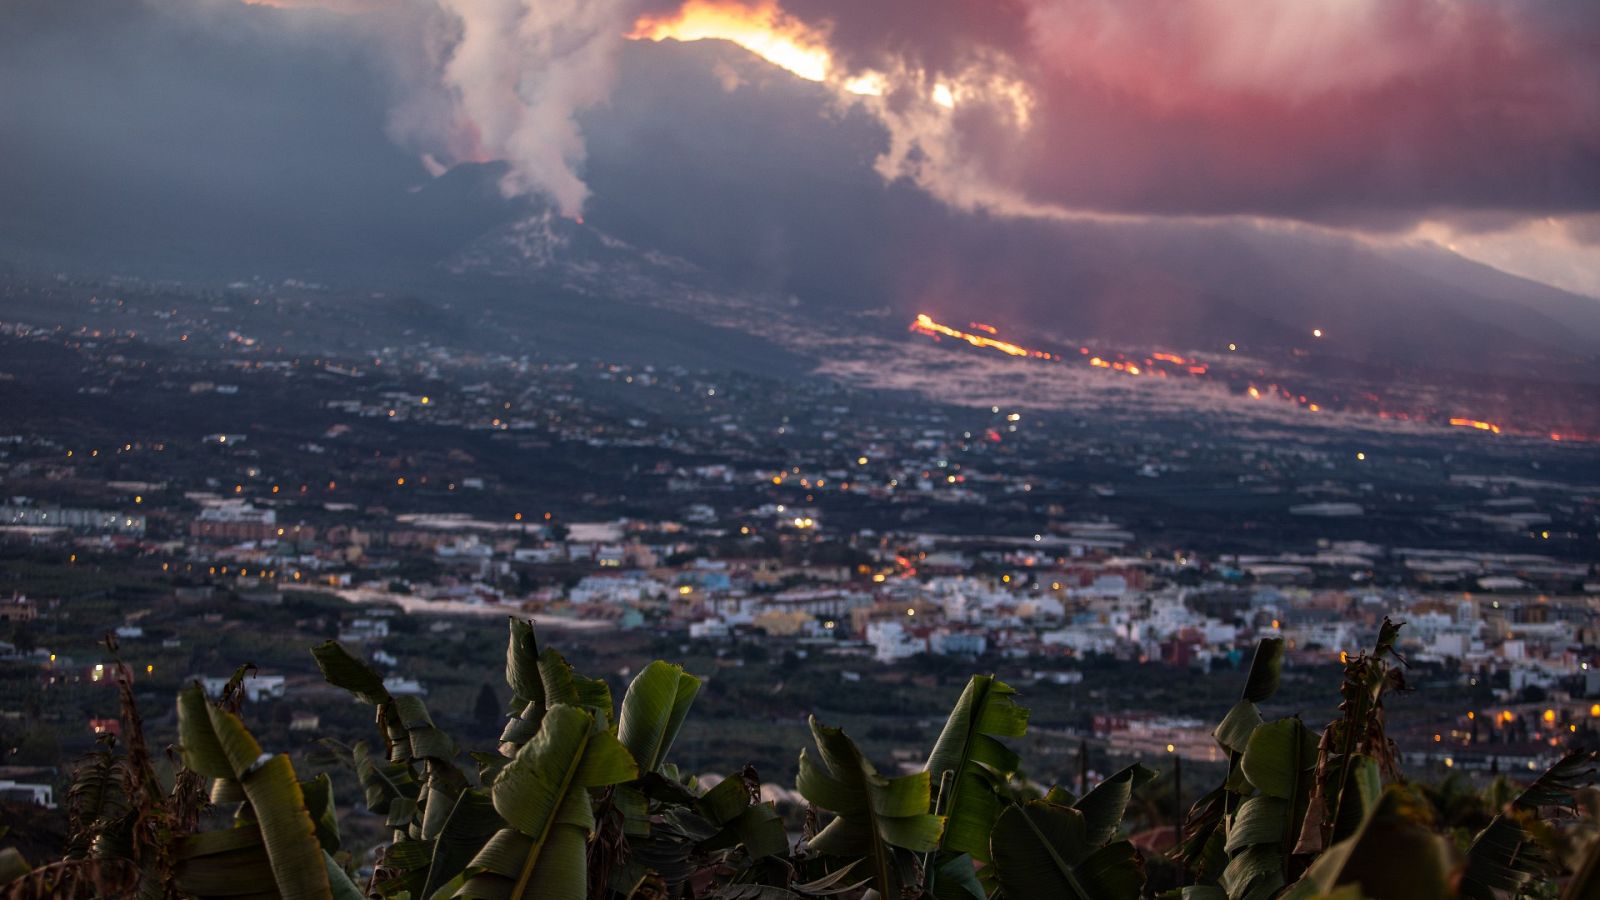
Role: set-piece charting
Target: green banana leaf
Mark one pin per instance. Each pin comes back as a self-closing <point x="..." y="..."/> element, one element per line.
<point x="217" y="745"/>
<point x="471" y="823"/>
<point x="1105" y="804"/>
<point x="1266" y="667"/>
<point x="1506" y="855"/>
<point x="1393" y="855"/>
<point x="324" y="816"/>
<point x="1276" y="767"/>
<point x="653" y="709"/>
<point x="13" y="865"/>
<point x="542" y="795"/>
<point x="977" y="762"/>
<point x="405" y="720"/>
<point x="1254" y="873"/>
<point x="542" y="679"/>
<point x="873" y="814"/>
<point x="343" y="670"/>
<point x="1042" y="851"/>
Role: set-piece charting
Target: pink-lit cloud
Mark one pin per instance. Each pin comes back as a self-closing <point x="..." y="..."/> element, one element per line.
<point x="1374" y="114"/>
<point x="1333" y="110"/>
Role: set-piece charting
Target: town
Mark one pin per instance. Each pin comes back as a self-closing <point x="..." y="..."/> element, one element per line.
<point x="211" y="498"/>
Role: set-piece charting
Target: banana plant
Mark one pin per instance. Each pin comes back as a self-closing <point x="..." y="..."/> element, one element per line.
<point x="540" y="679"/>
<point x="661" y="825"/>
<point x="1392" y="854"/>
<point x="1061" y="847"/>
<point x="1276" y="769"/>
<point x="1287" y="790"/>
<point x="1202" y="850"/>
<point x="543" y="796"/>
<point x="726" y="832"/>
<point x="879" y="821"/>
<point x="579" y="803"/>
<point x="653" y="709"/>
<point x="1506" y="854"/>
<point x="273" y="846"/>
<point x="418" y="803"/>
<point x="1354" y="744"/>
<point x="973" y="765"/>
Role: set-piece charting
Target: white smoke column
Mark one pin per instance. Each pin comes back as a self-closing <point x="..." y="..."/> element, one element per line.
<point x="521" y="72"/>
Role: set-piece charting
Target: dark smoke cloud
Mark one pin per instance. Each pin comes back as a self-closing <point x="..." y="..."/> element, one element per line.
<point x="1365" y="112"/>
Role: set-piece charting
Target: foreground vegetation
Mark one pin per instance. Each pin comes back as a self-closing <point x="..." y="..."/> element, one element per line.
<point x="579" y="801"/>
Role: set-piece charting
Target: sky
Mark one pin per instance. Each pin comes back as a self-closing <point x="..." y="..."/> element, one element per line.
<point x="1470" y="124"/>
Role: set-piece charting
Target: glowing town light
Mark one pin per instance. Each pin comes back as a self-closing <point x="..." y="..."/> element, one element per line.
<point x="1316" y="332"/>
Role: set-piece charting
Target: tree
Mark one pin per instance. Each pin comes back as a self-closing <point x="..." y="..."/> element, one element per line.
<point x="488" y="711"/>
<point x="23" y="638"/>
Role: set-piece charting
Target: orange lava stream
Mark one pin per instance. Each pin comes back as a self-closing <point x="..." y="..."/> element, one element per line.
<point x="1474" y="423"/>
<point x="926" y="325"/>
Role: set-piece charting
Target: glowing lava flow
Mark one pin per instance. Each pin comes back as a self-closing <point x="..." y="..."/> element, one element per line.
<point x="1474" y="423"/>
<point x="926" y="325"/>
<point x="763" y="29"/>
<point x="1163" y="365"/>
